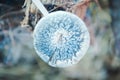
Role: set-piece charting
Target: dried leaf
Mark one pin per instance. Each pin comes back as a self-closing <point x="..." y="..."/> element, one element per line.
<point x="80" y="8"/>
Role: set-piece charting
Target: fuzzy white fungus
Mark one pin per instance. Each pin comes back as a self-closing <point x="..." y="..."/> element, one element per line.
<point x="61" y="39"/>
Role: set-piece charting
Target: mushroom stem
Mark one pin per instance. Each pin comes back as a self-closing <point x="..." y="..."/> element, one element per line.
<point x="41" y="7"/>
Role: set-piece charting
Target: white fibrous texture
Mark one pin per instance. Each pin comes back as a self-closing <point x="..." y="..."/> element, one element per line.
<point x="61" y="39"/>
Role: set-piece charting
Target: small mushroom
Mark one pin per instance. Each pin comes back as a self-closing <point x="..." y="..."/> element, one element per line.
<point x="61" y="39"/>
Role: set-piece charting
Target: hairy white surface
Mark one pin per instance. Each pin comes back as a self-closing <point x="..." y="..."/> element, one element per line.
<point x="61" y="39"/>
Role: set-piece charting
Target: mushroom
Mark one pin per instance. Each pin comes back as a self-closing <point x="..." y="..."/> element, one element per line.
<point x="61" y="38"/>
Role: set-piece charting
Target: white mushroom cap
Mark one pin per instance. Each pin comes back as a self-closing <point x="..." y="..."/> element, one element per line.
<point x="61" y="39"/>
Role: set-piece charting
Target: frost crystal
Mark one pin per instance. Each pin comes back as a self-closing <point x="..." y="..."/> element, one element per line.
<point x="61" y="39"/>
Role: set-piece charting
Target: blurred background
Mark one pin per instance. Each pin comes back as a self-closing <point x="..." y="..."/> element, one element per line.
<point x="19" y="61"/>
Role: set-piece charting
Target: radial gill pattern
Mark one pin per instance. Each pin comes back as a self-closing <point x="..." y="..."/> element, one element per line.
<point x="61" y="39"/>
